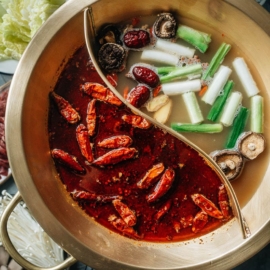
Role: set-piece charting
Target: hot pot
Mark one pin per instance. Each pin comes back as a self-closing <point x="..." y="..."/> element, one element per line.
<point x="34" y="171"/>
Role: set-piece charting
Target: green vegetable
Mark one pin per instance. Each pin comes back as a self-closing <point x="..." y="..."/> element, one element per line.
<point x="232" y="104"/>
<point x="198" y="39"/>
<point x="217" y="85"/>
<point x="257" y="114"/>
<point x="180" y="87"/>
<point x="238" y="127"/>
<point x="193" y="108"/>
<point x="245" y="76"/>
<point x="174" y="48"/>
<point x="216" y="60"/>
<point x="20" y="23"/>
<point x="219" y="103"/>
<point x="182" y="72"/>
<point x="158" y="56"/>
<point x="200" y="128"/>
<point x="165" y="70"/>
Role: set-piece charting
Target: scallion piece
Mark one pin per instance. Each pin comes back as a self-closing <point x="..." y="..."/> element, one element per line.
<point x="256" y="114"/>
<point x="174" y="48"/>
<point x="230" y="110"/>
<point x="181" y="87"/>
<point x="182" y="72"/>
<point x="165" y="70"/>
<point x="217" y="85"/>
<point x="198" y="39"/>
<point x="216" y="61"/>
<point x="238" y="126"/>
<point x="245" y="76"/>
<point x="160" y="57"/>
<point x="199" y="128"/>
<point x="193" y="107"/>
<point x="219" y="103"/>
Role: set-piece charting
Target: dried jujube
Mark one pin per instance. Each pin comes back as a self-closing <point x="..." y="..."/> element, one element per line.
<point x="138" y="96"/>
<point x="145" y="75"/>
<point x="136" y="39"/>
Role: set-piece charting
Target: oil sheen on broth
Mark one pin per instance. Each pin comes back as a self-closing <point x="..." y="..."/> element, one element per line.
<point x="77" y="72"/>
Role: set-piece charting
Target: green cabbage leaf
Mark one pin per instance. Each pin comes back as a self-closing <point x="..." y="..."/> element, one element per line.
<point x="19" y="21"/>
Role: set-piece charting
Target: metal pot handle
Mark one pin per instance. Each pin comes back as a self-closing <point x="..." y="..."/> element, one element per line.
<point x="11" y="249"/>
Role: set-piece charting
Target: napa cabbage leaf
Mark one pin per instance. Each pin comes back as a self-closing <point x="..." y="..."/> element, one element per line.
<point x="19" y="21"/>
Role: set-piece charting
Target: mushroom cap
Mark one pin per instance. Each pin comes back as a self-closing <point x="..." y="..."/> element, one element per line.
<point x="251" y="144"/>
<point x="230" y="161"/>
<point x="165" y="26"/>
<point x="112" y="56"/>
<point x="109" y="33"/>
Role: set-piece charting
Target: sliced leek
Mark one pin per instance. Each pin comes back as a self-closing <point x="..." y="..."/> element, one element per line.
<point x="180" y="87"/>
<point x="245" y="76"/>
<point x="217" y="85"/>
<point x="257" y="114"/>
<point x="230" y="109"/>
<point x="193" y="108"/>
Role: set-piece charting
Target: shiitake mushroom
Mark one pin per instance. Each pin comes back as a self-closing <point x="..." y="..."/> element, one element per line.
<point x="112" y="57"/>
<point x="109" y="33"/>
<point x="230" y="162"/>
<point x="165" y="26"/>
<point x="250" y="144"/>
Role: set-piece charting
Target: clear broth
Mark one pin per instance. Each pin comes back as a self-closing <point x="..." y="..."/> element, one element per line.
<point x="245" y="185"/>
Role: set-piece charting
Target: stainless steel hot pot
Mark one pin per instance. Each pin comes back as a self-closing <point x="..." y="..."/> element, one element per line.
<point x="36" y="177"/>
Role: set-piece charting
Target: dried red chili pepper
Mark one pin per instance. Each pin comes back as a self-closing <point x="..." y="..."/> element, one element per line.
<point x="84" y="142"/>
<point x="116" y="156"/>
<point x="162" y="186"/>
<point x="67" y="160"/>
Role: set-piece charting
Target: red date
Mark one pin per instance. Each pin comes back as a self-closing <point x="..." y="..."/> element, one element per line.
<point x="136" y="39"/>
<point x="145" y="75"/>
<point x="138" y="95"/>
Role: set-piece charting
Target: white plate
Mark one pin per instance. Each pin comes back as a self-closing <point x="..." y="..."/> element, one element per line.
<point x="8" y="66"/>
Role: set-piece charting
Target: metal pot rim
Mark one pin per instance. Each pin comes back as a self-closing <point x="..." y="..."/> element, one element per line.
<point x="22" y="94"/>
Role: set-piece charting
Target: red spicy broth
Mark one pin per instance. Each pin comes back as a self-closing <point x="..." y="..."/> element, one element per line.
<point x="192" y="174"/>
